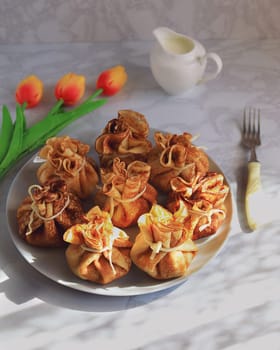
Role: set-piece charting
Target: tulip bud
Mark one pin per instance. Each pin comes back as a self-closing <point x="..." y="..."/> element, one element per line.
<point x="29" y="91"/>
<point x="70" y="88"/>
<point x="112" y="80"/>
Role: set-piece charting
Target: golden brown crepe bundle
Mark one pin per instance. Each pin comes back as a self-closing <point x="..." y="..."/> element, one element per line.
<point x="124" y="137"/>
<point x="98" y="251"/>
<point x="66" y="159"/>
<point x="126" y="193"/>
<point x="47" y="212"/>
<point x="175" y="155"/>
<point x="204" y="198"/>
<point x="163" y="247"/>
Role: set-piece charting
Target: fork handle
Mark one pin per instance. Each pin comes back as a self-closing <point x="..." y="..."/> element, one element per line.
<point x="253" y="190"/>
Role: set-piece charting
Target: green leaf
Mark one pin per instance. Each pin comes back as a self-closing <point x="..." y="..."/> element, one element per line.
<point x="6" y="132"/>
<point x="16" y="142"/>
<point x="25" y="140"/>
<point x="37" y="134"/>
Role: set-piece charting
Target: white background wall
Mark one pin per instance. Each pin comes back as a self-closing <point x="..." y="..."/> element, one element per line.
<point x="44" y="21"/>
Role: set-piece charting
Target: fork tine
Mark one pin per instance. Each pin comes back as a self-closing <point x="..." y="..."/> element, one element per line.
<point x="251" y="121"/>
<point x="259" y="127"/>
<point x="254" y="123"/>
<point x="244" y="121"/>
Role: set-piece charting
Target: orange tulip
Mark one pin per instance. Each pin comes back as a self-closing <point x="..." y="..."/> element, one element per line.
<point x="70" y="88"/>
<point x="29" y="91"/>
<point x="112" y="80"/>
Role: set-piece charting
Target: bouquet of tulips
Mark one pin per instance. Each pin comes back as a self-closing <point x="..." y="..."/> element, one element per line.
<point x="16" y="140"/>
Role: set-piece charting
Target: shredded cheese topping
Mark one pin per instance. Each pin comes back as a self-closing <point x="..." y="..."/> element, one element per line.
<point x="157" y="247"/>
<point x="81" y="167"/>
<point x="108" y="248"/>
<point x="128" y="200"/>
<point x="35" y="210"/>
<point x="208" y="214"/>
<point x="169" y="163"/>
<point x="62" y="165"/>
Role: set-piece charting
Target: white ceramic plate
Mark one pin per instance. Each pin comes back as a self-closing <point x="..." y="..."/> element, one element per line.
<point x="52" y="262"/>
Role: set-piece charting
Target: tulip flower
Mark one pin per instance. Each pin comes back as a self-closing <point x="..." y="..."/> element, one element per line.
<point x="70" y="88"/>
<point x="112" y="80"/>
<point x="29" y="91"/>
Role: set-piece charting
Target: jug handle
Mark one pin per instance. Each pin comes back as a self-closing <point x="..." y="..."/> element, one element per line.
<point x="217" y="59"/>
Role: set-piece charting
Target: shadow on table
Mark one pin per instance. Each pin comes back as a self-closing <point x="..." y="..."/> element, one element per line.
<point x="24" y="283"/>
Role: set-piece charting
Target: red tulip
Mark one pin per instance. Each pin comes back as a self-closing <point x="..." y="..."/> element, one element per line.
<point x="29" y="91"/>
<point x="70" y="88"/>
<point x="112" y="80"/>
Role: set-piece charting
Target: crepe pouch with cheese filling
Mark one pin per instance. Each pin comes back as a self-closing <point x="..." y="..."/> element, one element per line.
<point x="66" y="159"/>
<point x="204" y="199"/>
<point x="98" y="251"/>
<point x="126" y="193"/>
<point x="47" y="212"/>
<point x="163" y="247"/>
<point x="124" y="137"/>
<point x="175" y="155"/>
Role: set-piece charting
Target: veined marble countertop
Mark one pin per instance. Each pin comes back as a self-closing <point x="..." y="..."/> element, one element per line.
<point x="234" y="301"/>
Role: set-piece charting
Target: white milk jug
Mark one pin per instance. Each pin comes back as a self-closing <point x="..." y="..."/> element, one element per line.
<point x="178" y="62"/>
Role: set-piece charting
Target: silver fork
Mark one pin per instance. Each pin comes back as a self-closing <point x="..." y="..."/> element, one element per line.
<point x="251" y="138"/>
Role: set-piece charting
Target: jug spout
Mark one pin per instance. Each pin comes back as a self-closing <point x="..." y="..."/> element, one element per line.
<point x="173" y="42"/>
<point x="164" y="34"/>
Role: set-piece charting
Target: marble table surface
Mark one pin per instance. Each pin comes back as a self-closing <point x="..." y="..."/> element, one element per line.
<point x="233" y="302"/>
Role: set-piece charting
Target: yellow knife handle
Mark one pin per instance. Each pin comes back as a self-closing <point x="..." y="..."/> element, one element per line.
<point x="252" y="196"/>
